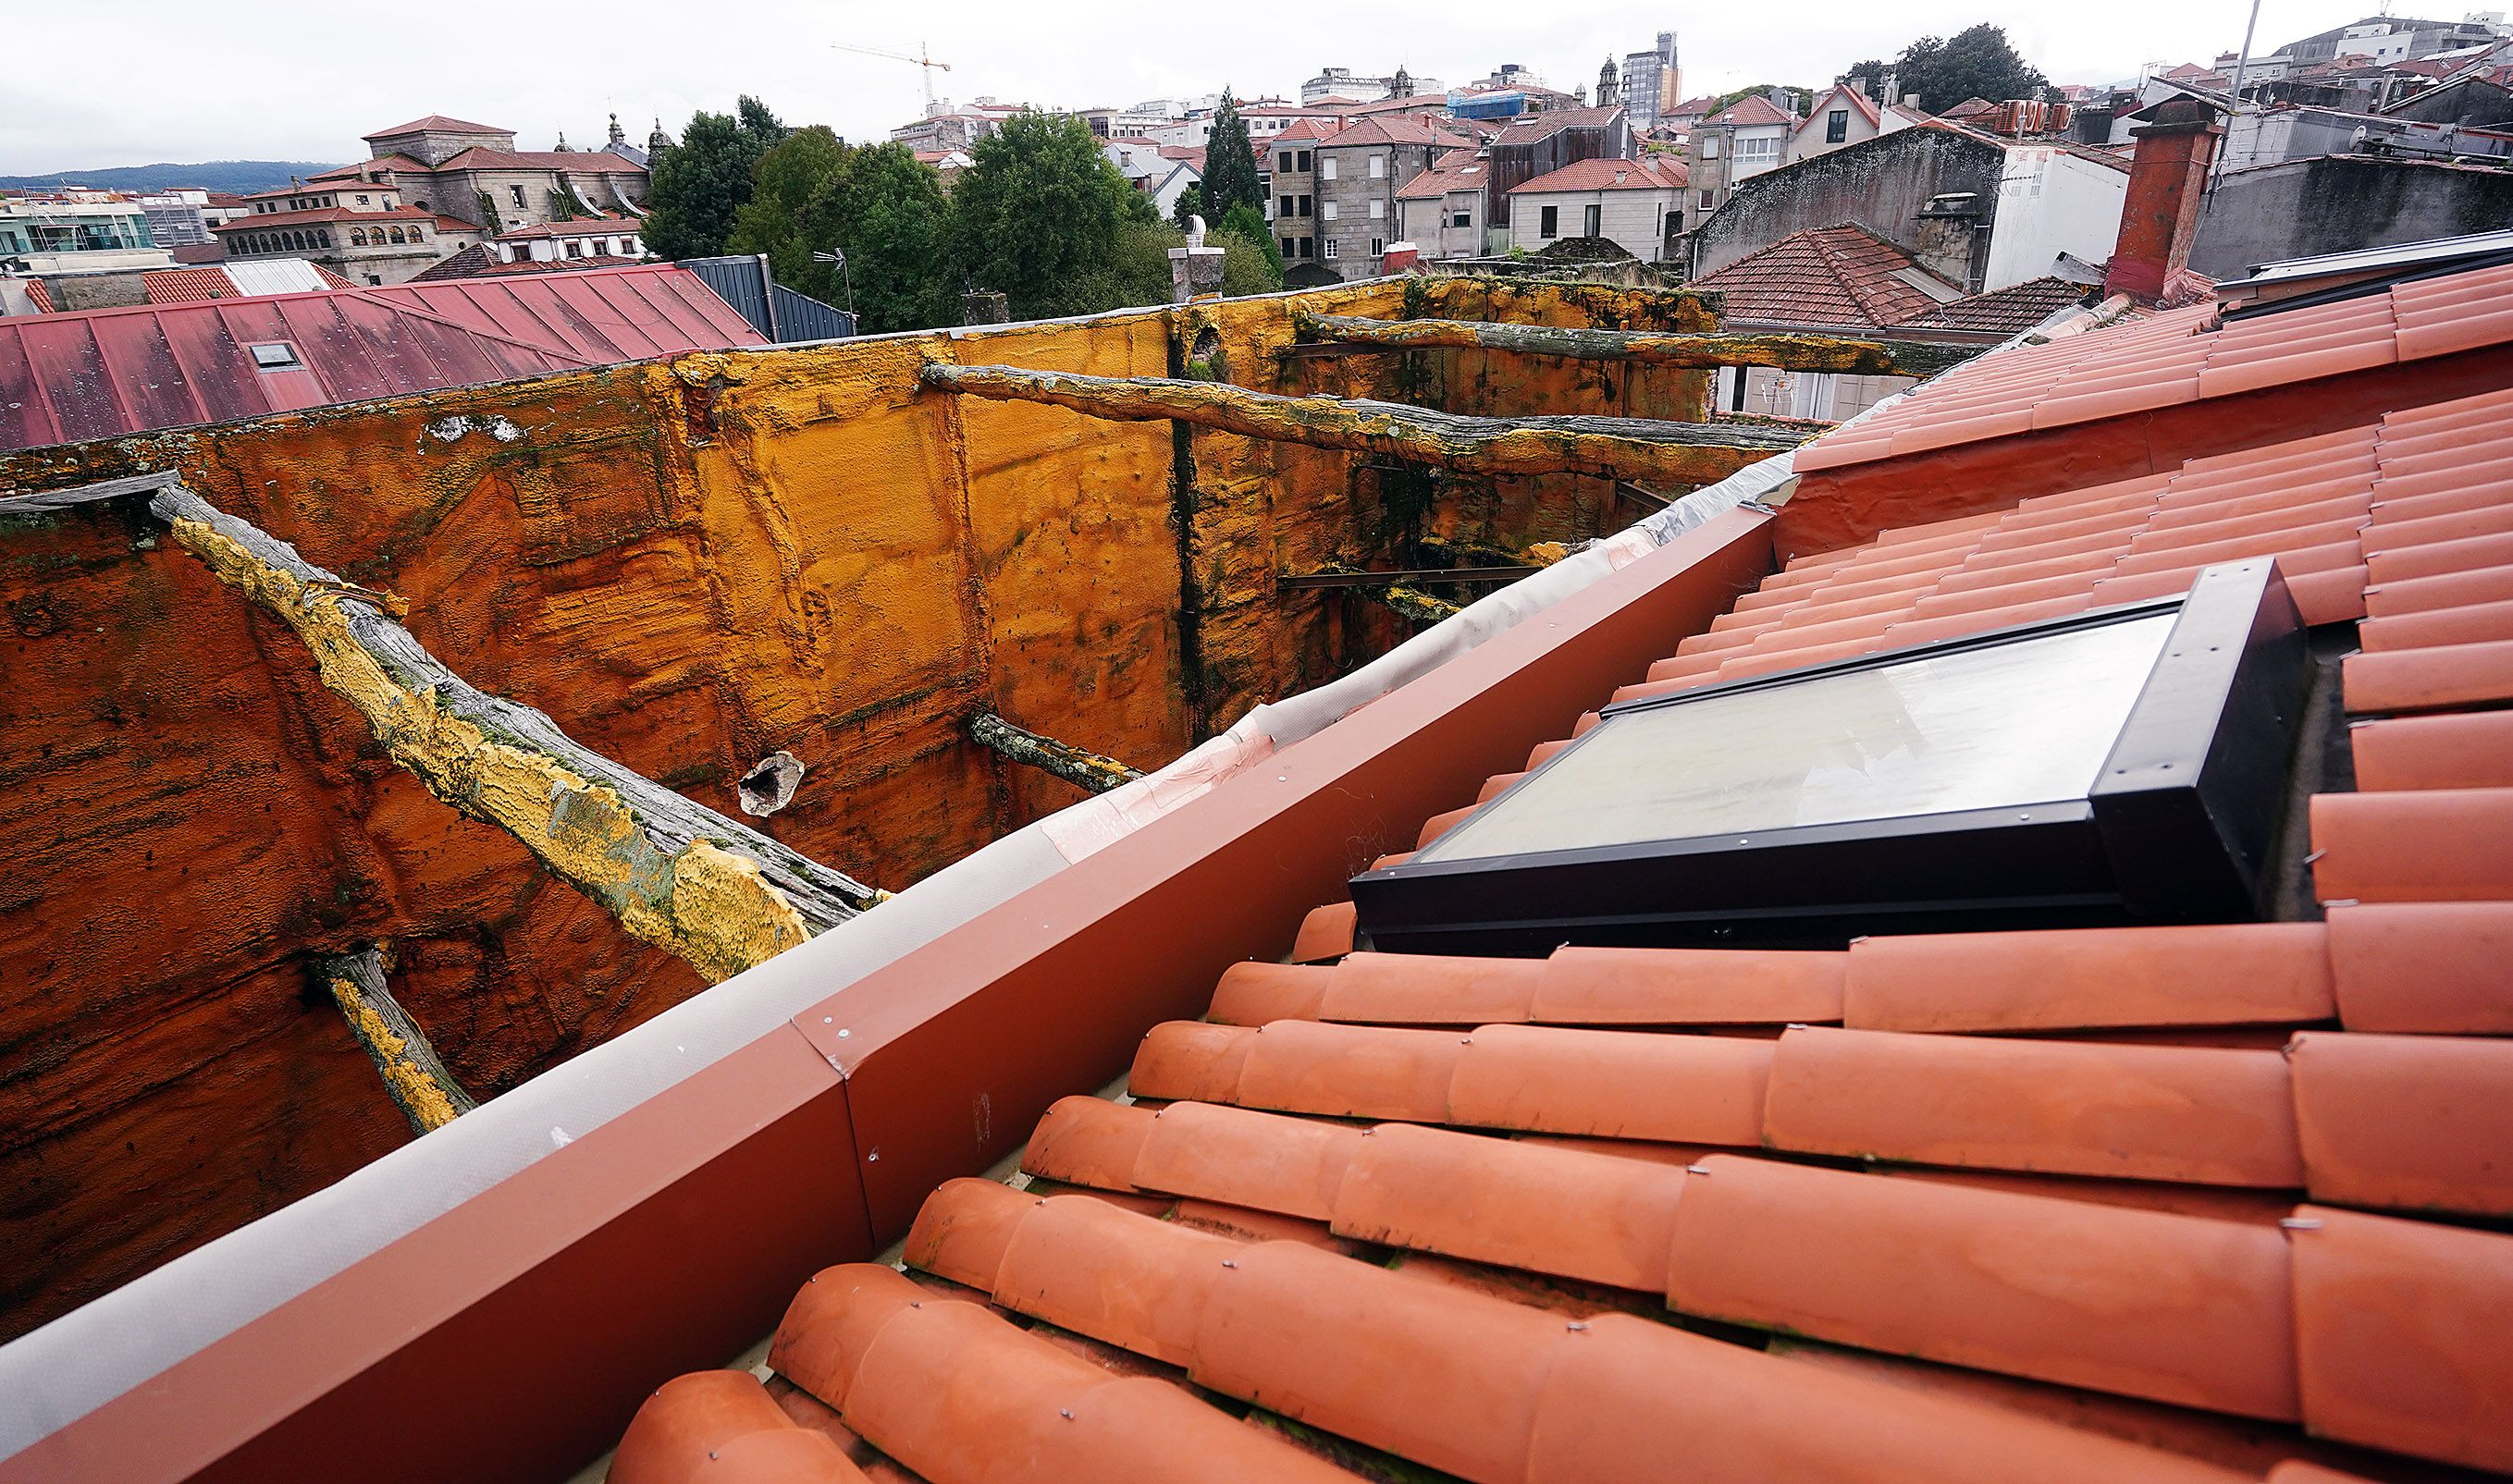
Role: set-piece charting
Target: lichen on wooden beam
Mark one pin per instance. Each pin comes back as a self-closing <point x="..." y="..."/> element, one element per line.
<point x="1690" y="352"/>
<point x="674" y="873"/>
<point x="414" y="1076"/>
<point x="1608" y="447"/>
<point x="1082" y="769"/>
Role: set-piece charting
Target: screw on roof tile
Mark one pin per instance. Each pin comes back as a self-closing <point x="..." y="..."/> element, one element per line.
<point x="827" y="1020"/>
<point x="1065" y="1411"/>
<point x="916" y="1303"/>
<point x="1795" y="1025"/>
<point x="1576" y="1325"/>
<point x="844" y="1033"/>
<point x="1228" y="1263"/>
<point x="1466" y="1040"/>
<point x="2314" y="856"/>
<point x="1695" y="1169"/>
<point x="873" y="1158"/>
<point x="2301" y="1224"/>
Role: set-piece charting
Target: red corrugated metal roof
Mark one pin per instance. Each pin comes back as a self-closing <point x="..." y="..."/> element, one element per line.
<point x="105" y="373"/>
<point x="607" y="315"/>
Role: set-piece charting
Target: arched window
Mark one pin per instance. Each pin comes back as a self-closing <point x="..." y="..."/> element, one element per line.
<point x="421" y="205"/>
<point x="397" y="236"/>
<point x="357" y="237"/>
<point x="322" y="238"/>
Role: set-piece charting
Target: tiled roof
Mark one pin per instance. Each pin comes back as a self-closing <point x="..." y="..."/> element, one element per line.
<point x="436" y="123"/>
<point x="2011" y="310"/>
<point x="1610" y="175"/>
<point x="1750" y="114"/>
<point x="2179" y="357"/>
<point x="1459" y="169"/>
<point x="1304" y="127"/>
<point x="1970" y="107"/>
<point x="1403" y="130"/>
<point x="2205" y="1203"/>
<point x="580" y="162"/>
<point x="1839" y="275"/>
<point x="1547" y="125"/>
<point x="186" y="286"/>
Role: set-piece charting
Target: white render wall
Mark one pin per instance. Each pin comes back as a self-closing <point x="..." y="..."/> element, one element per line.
<point x="2051" y="201"/>
<point x="1630" y="219"/>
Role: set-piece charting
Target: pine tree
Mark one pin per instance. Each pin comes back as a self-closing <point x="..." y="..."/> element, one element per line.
<point x="1230" y="175"/>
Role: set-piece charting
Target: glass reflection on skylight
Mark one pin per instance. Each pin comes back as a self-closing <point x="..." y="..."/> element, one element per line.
<point x="2023" y="722"/>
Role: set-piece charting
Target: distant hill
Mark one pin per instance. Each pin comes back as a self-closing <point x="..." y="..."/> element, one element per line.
<point x="238" y="176"/>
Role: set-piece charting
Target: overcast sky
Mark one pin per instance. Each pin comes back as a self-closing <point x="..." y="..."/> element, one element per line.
<point x="144" y="81"/>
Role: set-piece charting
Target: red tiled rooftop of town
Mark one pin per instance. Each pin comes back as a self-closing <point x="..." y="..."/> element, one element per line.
<point x="2011" y="310"/>
<point x="1459" y="169"/>
<point x="1610" y="175"/>
<point x="1750" y="114"/>
<point x="2207" y="1202"/>
<point x="1840" y="275"/>
<point x="437" y="123"/>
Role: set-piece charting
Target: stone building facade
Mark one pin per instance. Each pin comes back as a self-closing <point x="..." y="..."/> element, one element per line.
<point x="474" y="173"/>
<point x="357" y="228"/>
<point x="1293" y="153"/>
<point x="1360" y="168"/>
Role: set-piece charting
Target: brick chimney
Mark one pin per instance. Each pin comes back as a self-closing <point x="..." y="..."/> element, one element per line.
<point x="2168" y="184"/>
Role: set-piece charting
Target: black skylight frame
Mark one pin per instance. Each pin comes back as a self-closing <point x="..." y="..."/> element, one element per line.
<point x="2177" y="827"/>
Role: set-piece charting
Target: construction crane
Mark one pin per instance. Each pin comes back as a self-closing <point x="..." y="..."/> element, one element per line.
<point x="924" y="59"/>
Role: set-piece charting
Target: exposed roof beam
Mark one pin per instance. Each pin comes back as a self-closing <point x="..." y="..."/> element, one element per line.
<point x="1342" y="576"/>
<point x="1611" y="448"/>
<point x="675" y="873"/>
<point x="417" y="1082"/>
<point x="1082" y="769"/>
<point x="1332" y="333"/>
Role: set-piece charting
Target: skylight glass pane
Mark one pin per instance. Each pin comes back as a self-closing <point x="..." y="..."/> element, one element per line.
<point x="2024" y="723"/>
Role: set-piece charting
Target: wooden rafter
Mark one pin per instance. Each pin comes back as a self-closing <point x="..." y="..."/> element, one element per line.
<point x="414" y="1076"/>
<point x="1075" y="766"/>
<point x="674" y="873"/>
<point x="1333" y="333"/>
<point x="1611" y="448"/>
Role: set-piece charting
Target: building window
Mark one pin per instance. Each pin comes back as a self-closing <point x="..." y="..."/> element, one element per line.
<point x="1591" y="221"/>
<point x="1549" y="221"/>
<point x="357" y="237"/>
<point x="1285" y="165"/>
<point x="1836" y="126"/>
<point x="1377" y="209"/>
<point x="1283" y="207"/>
<point x="362" y="201"/>
<point x="1291" y="246"/>
<point x="1304" y="161"/>
<point x="375" y="281"/>
<point x="1325" y="168"/>
<point x="1378" y="166"/>
<point x="1306" y="207"/>
<point x="517" y="192"/>
<point x="1710" y="146"/>
<point x="1463" y="216"/>
<point x="1377" y="245"/>
<point x="1329" y="213"/>
<point x="1309" y="247"/>
<point x="1331" y="243"/>
<point x="1705" y="201"/>
<point x="575" y="250"/>
<point x="276" y="355"/>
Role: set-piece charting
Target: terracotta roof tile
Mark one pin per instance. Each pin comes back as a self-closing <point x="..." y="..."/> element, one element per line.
<point x="2418" y="1124"/>
<point x="1842" y="275"/>
<point x="724" y="1424"/>
<point x="2460" y="750"/>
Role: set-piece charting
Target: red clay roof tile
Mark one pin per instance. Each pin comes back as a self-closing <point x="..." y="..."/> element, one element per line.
<point x="2459" y="750"/>
<point x="2400" y="1330"/>
<point x="2418" y="1124"/>
<point x="724" y="1424"/>
<point x="2174" y="1309"/>
<point x="2447" y="677"/>
<point x="2380" y="847"/>
<point x="2432" y="968"/>
<point x="2230" y="974"/>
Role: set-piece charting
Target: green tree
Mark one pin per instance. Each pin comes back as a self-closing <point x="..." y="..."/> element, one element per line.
<point x="695" y="189"/>
<point x="1135" y="270"/>
<point x="892" y="228"/>
<point x="1868" y="77"/>
<point x="798" y="188"/>
<point x="1246" y="266"/>
<point x="1190" y="202"/>
<point x="1230" y="177"/>
<point x="1037" y="216"/>
<point x="1977" y="62"/>
<point x="1247" y="223"/>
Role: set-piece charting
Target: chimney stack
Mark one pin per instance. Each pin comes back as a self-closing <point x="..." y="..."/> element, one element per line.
<point x="2167" y="182"/>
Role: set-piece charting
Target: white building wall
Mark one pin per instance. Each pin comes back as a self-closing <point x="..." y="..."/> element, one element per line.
<point x="1772" y="141"/>
<point x="1631" y="220"/>
<point x="2051" y="201"/>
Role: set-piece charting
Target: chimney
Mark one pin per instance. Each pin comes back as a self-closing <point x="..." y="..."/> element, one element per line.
<point x="2168" y="179"/>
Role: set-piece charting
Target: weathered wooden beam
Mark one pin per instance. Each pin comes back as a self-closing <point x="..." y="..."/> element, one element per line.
<point x="1648" y="499"/>
<point x="1882" y="356"/>
<point x="415" y="1078"/>
<point x="1082" y="769"/>
<point x="675" y="873"/>
<point x="1344" y="577"/>
<point x="1611" y="448"/>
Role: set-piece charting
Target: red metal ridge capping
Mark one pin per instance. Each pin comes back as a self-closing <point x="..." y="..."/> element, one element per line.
<point x="531" y="1321"/>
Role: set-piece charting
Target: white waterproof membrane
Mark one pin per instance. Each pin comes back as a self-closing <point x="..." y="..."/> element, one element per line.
<point x="2023" y="722"/>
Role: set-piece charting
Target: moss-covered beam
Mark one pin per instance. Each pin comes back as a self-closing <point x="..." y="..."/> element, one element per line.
<point x="1610" y="447"/>
<point x="1690" y="352"/>
<point x="417" y="1082"/>
<point x="675" y="873"/>
<point x="1082" y="769"/>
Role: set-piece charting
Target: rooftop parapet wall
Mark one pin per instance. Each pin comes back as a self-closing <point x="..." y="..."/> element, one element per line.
<point x="689" y="564"/>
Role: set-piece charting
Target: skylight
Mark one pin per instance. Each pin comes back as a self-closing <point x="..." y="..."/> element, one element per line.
<point x="2079" y="769"/>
